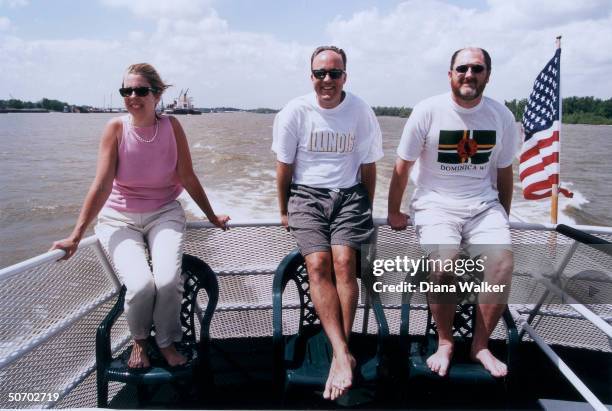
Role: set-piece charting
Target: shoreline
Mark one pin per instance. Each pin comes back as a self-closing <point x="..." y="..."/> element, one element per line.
<point x="24" y="110"/>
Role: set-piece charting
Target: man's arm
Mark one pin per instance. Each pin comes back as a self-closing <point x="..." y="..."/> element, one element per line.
<point x="368" y="179"/>
<point x="284" y="175"/>
<point x="505" y="186"/>
<point x="399" y="180"/>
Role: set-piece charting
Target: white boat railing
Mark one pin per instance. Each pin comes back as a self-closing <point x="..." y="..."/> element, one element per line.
<point x="10" y="354"/>
<point x="55" y="255"/>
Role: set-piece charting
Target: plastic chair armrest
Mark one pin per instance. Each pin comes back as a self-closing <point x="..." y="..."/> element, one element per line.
<point x="103" y="334"/>
<point x="512" y="336"/>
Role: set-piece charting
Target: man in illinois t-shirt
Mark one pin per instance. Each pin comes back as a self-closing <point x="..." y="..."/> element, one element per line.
<point x="327" y="143"/>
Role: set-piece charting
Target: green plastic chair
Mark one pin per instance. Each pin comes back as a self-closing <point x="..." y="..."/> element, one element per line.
<point x="198" y="275"/>
<point x="303" y="359"/>
<point x="462" y="370"/>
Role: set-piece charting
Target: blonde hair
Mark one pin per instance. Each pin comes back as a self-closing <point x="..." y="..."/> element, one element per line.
<point x="148" y="72"/>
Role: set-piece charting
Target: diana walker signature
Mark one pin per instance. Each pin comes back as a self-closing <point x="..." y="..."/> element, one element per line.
<point x="426" y="287"/>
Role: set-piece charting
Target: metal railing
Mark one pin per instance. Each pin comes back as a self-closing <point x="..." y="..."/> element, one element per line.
<point x="579" y="237"/>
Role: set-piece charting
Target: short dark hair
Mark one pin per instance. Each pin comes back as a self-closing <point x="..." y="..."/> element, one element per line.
<point x="487" y="57"/>
<point x="335" y="49"/>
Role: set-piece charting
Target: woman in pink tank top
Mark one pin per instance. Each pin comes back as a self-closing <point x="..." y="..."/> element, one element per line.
<point x="143" y="165"/>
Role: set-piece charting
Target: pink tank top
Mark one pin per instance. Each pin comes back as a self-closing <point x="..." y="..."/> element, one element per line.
<point x="146" y="177"/>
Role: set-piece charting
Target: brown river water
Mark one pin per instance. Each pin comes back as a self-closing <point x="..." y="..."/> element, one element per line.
<point x="47" y="162"/>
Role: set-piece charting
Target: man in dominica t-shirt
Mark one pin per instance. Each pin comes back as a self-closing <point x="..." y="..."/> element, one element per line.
<point x="327" y="143"/>
<point x="465" y="144"/>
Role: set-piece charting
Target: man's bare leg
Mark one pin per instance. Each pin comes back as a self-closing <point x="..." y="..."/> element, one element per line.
<point x="442" y="306"/>
<point x="139" y="357"/>
<point x="344" y="261"/>
<point x="498" y="270"/>
<point x="327" y="303"/>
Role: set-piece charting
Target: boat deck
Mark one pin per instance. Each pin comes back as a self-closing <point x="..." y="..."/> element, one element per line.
<point x="49" y="313"/>
<point x="243" y="380"/>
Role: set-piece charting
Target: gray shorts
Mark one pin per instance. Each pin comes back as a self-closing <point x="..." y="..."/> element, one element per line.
<point x="321" y="217"/>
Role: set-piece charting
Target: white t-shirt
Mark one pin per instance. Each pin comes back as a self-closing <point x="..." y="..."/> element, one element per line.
<point x="327" y="146"/>
<point x="459" y="150"/>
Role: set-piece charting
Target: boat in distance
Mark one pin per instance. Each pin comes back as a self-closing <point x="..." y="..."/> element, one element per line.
<point x="182" y="105"/>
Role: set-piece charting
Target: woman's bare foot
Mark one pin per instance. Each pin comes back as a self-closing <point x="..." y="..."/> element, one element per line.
<point x="139" y="357"/>
<point x="496" y="367"/>
<point x="172" y="356"/>
<point x="340" y="377"/>
<point x="440" y="360"/>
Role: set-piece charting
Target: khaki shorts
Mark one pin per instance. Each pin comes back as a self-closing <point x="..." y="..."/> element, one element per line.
<point x="473" y="228"/>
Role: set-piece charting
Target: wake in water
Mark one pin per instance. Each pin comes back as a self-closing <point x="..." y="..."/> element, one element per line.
<point x="251" y="205"/>
<point x="261" y="204"/>
<point x="538" y="211"/>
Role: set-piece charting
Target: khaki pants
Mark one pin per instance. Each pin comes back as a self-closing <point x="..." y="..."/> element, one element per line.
<point x="153" y="296"/>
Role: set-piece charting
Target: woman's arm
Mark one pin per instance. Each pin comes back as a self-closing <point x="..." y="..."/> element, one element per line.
<point x="190" y="180"/>
<point x="98" y="191"/>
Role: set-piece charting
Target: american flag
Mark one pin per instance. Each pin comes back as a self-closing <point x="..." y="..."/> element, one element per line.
<point x="539" y="161"/>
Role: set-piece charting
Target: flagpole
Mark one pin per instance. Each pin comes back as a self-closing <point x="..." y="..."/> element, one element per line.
<point x="554" y="198"/>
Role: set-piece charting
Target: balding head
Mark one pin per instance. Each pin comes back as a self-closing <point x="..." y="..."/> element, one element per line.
<point x="485" y="55"/>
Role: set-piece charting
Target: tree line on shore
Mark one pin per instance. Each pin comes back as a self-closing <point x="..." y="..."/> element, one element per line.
<point x="56" y="105"/>
<point x="576" y="110"/>
<point x="392" y="111"/>
<point x="45" y="103"/>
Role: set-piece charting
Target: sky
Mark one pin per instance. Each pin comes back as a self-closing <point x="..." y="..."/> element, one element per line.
<point x="248" y="54"/>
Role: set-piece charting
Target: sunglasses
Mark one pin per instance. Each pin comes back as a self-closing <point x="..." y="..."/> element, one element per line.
<point x="477" y="68"/>
<point x="140" y="91"/>
<point x="334" y="74"/>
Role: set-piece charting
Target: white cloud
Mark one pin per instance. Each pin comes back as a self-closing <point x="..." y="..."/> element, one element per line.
<point x="545" y="13"/>
<point x="394" y="58"/>
<point x="76" y="71"/>
<point x="156" y="9"/>
<point x="228" y="67"/>
<point x="220" y="66"/>
<point x="13" y="4"/>
<point x="136" y="36"/>
<point x="5" y="23"/>
<point x="402" y="57"/>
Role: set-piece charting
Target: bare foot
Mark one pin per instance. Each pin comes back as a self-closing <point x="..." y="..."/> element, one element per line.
<point x="139" y="357"/>
<point x="328" y="384"/>
<point x="340" y="377"/>
<point x="497" y="368"/>
<point x="172" y="356"/>
<point x="439" y="361"/>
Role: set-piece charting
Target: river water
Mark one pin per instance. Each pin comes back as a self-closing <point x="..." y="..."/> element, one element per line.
<point x="47" y="162"/>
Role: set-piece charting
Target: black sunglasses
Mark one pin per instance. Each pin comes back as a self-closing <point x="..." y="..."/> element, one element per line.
<point x="140" y="91"/>
<point x="476" y="68"/>
<point x="334" y="74"/>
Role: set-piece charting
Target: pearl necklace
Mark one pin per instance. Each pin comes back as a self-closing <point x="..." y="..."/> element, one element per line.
<point x="138" y="137"/>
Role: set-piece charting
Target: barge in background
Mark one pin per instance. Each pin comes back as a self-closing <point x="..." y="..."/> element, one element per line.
<point x="182" y="105"/>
